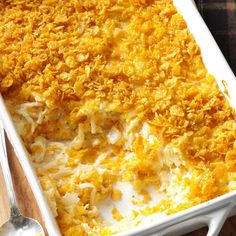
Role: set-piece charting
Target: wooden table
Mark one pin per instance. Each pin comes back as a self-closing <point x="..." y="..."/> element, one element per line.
<point x="26" y="201"/>
<point x="28" y="205"/>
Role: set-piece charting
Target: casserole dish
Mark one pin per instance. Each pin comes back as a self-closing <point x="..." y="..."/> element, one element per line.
<point x="196" y="216"/>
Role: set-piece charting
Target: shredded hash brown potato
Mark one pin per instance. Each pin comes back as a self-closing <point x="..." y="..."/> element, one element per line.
<point x="104" y="92"/>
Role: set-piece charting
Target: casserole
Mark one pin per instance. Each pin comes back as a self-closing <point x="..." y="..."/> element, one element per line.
<point x="225" y="76"/>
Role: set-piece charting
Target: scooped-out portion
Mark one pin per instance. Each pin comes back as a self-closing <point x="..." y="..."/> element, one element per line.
<point x="116" y="109"/>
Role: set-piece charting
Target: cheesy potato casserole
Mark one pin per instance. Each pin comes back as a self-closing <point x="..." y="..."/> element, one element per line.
<point x="118" y="114"/>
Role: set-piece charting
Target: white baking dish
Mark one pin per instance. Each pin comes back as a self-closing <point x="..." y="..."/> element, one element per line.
<point x="212" y="213"/>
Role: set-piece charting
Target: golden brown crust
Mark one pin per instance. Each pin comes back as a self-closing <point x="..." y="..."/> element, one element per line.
<point x="99" y="68"/>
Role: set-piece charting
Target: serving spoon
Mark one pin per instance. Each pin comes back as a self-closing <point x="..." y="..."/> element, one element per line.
<point x="17" y="225"/>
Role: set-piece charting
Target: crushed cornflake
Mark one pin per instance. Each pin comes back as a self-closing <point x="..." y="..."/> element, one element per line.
<point x="116" y="214"/>
<point x="116" y="194"/>
<point x="103" y="91"/>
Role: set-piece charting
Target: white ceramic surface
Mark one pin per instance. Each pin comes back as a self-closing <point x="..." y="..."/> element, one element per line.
<point x="212" y="213"/>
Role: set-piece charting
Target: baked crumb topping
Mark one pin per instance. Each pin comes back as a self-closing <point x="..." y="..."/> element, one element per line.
<point x="107" y="91"/>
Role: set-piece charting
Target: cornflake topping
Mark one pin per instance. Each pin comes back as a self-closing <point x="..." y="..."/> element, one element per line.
<point x="103" y="91"/>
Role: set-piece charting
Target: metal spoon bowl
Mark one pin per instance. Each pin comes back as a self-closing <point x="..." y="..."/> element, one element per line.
<point x="21" y="226"/>
<point x="17" y="225"/>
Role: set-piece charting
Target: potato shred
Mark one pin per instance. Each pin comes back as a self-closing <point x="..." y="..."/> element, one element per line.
<point x="105" y="92"/>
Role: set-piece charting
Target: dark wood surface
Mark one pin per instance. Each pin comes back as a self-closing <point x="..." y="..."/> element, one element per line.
<point x="28" y="205"/>
<point x="25" y="197"/>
